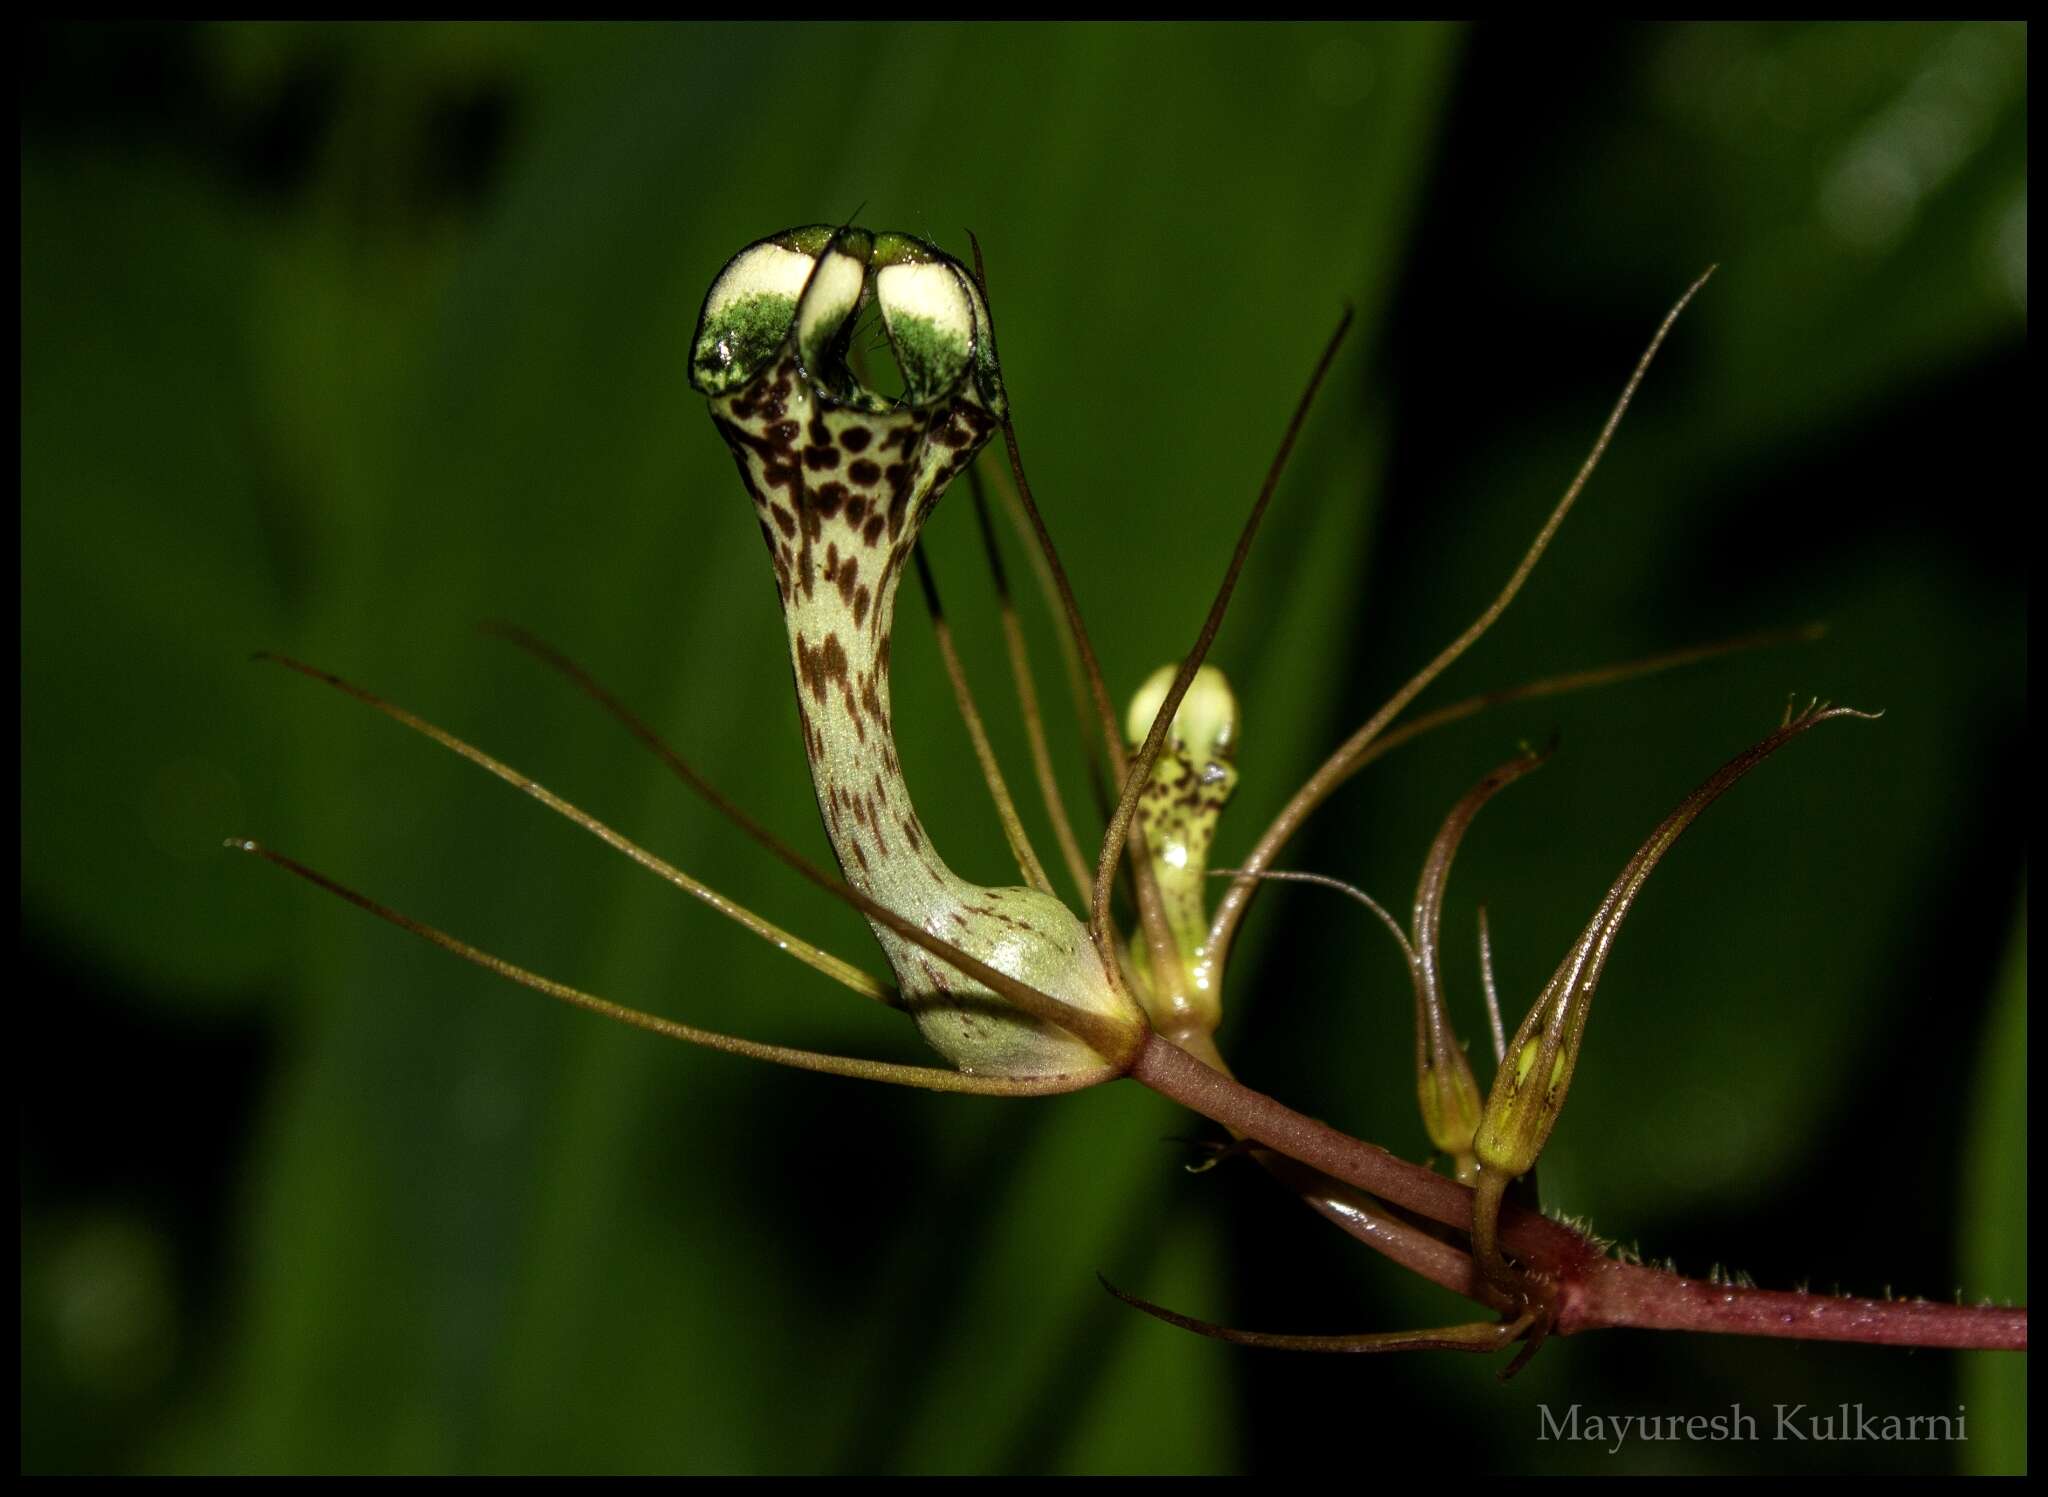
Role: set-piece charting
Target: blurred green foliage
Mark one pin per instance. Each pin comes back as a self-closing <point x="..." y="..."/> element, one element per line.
<point x="341" y="340"/>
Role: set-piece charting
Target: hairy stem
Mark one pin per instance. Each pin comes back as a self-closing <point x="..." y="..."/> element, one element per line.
<point x="1351" y="1210"/>
<point x="1594" y="1292"/>
<point x="1624" y="1294"/>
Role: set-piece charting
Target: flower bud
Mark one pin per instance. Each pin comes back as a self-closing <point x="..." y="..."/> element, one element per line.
<point x="1529" y="1090"/>
<point x="1445" y="1087"/>
<point x="1191" y="780"/>
<point x="1205" y="724"/>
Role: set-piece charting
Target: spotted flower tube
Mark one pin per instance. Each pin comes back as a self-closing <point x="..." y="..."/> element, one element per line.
<point x="842" y="480"/>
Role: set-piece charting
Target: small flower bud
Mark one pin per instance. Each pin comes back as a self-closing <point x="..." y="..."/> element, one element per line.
<point x="1445" y="1087"/>
<point x="1204" y="726"/>
<point x="1529" y="1090"/>
<point x="1191" y="780"/>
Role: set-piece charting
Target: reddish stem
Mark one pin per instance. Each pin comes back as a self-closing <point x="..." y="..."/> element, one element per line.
<point x="1626" y="1294"/>
<point x="1594" y="1292"/>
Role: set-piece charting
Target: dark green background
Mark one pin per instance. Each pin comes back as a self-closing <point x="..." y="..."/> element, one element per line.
<point x="343" y="340"/>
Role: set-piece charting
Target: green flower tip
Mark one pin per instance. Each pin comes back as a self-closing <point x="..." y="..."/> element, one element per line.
<point x="1204" y="728"/>
<point x="806" y="287"/>
<point x="1183" y="799"/>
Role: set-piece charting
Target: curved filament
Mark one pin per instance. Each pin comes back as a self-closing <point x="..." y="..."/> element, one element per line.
<point x="1109" y="1039"/>
<point x="977" y="734"/>
<point x="1482" y="1336"/>
<point x="837" y="969"/>
<point x="1231" y="908"/>
<point x="1027" y="692"/>
<point x="1139" y="770"/>
<point x="927" y="1078"/>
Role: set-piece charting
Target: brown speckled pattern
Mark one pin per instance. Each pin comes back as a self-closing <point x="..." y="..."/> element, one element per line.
<point x="840" y="495"/>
